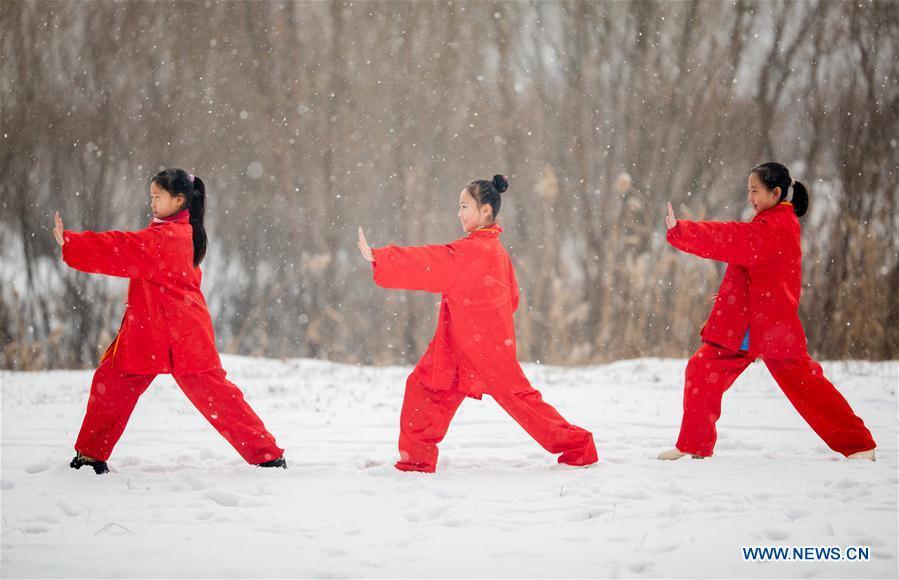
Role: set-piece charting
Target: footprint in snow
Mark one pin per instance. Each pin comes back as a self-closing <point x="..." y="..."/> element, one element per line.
<point x="224" y="498"/>
<point x="639" y="567"/>
<point x="664" y="549"/>
<point x="427" y="514"/>
<point x="777" y="535"/>
<point x="36" y="529"/>
<point x="67" y="509"/>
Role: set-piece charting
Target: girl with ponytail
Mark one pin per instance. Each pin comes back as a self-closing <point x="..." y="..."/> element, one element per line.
<point x="756" y="315"/>
<point x="473" y="351"/>
<point x="166" y="328"/>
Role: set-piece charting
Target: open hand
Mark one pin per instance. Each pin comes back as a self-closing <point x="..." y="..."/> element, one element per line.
<point x="58" y="229"/>
<point x="364" y="247"/>
<point x="670" y="220"/>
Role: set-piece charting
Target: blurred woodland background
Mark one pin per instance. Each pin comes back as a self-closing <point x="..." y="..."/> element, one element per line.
<point x="309" y="119"/>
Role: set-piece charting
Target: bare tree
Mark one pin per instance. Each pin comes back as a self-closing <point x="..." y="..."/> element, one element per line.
<point x="308" y="119"/>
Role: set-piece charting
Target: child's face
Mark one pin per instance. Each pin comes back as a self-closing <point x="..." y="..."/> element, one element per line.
<point x="472" y="216"/>
<point x="760" y="197"/>
<point x="163" y="203"/>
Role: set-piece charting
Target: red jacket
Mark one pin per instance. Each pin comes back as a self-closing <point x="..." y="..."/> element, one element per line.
<point x="166" y="327"/>
<point x="761" y="286"/>
<point x="473" y="349"/>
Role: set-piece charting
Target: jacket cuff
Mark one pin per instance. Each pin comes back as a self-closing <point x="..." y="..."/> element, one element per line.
<point x="374" y="263"/>
<point x="66" y="247"/>
<point x="673" y="233"/>
<point x="376" y="253"/>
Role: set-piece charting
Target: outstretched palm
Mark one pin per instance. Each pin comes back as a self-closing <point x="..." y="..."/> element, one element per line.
<point x="670" y="220"/>
<point x="58" y="229"/>
<point x="364" y="247"/>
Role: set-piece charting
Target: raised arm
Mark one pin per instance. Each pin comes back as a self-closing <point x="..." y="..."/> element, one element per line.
<point x="123" y="254"/>
<point x="741" y="243"/>
<point x="429" y="268"/>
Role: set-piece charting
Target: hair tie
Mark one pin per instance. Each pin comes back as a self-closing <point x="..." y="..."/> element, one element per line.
<point x="789" y="196"/>
<point x="190" y="177"/>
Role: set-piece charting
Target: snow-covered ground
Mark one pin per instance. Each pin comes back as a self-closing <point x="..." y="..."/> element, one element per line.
<point x="180" y="502"/>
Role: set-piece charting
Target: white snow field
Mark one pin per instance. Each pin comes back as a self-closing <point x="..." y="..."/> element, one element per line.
<point x="181" y="503"/>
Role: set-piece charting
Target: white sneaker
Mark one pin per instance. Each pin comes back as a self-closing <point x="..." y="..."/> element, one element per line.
<point x="868" y="455"/>
<point x="671" y="454"/>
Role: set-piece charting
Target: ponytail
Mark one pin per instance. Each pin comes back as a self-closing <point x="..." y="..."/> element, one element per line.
<point x="197" y="206"/>
<point x="800" y="199"/>
<point x="773" y="175"/>
<point x="179" y="182"/>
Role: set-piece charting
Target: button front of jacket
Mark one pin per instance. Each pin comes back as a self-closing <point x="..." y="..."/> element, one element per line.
<point x="473" y="349"/>
<point x="166" y="327"/>
<point x="761" y="286"/>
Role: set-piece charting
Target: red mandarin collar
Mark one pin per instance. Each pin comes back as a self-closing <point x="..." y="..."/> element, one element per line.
<point x="491" y="231"/>
<point x="782" y="206"/>
<point x="182" y="217"/>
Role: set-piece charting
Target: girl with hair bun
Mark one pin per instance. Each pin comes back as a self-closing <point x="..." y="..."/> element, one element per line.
<point x="473" y="350"/>
<point x="756" y="314"/>
<point x="166" y="328"/>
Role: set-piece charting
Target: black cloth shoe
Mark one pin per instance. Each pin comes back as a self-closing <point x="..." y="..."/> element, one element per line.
<point x="79" y="461"/>
<point x="279" y="462"/>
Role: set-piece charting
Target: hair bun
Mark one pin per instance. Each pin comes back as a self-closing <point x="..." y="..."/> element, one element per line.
<point x="501" y="183"/>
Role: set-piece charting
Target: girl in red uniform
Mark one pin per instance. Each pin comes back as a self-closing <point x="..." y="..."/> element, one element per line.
<point x="166" y="328"/>
<point x="473" y="351"/>
<point x="756" y="314"/>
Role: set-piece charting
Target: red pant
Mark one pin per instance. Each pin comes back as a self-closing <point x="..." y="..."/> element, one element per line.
<point x="713" y="369"/>
<point x="114" y="395"/>
<point x="427" y="413"/>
